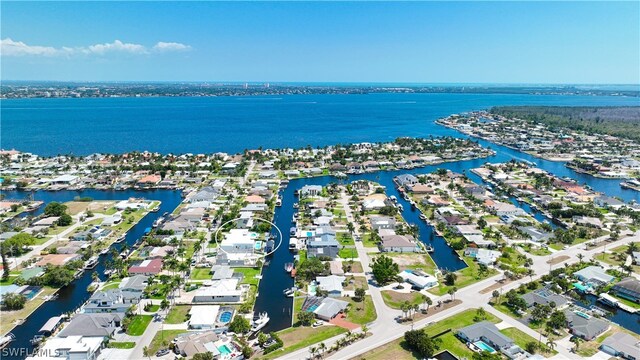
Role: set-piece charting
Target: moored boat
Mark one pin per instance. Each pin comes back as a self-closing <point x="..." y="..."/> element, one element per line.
<point x="631" y="184"/>
<point x="259" y="322"/>
<point x="91" y="263"/>
<point x="5" y="340"/>
<point x="288" y="267"/>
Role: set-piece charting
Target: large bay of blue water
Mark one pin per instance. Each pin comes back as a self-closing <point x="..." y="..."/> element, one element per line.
<point x="232" y="124"/>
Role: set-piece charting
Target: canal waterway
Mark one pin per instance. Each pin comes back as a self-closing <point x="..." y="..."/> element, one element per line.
<point x="74" y="295"/>
<point x="274" y="278"/>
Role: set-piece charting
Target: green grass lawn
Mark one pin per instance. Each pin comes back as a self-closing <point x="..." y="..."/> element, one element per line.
<point x="345" y="239"/>
<point x="361" y="312"/>
<point x="153" y="308"/>
<point x="201" y="274"/>
<point x="395" y="300"/>
<point x="296" y="338"/>
<point x="521" y="339"/>
<point x="139" y="324"/>
<point x="627" y="302"/>
<point x="249" y="275"/>
<point x="111" y="285"/>
<point x="348" y="253"/>
<point x="178" y="314"/>
<point x="121" y="344"/>
<point x="367" y="241"/>
<point x="163" y="338"/>
<point x="466" y="277"/>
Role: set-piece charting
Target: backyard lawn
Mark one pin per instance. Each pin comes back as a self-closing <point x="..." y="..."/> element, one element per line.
<point x="201" y="274"/>
<point x="121" y="344"/>
<point x="521" y="339"/>
<point x="139" y="324"/>
<point x="395" y="299"/>
<point x="296" y="338"/>
<point x="249" y="275"/>
<point x="361" y="312"/>
<point x="178" y="314"/>
<point x="163" y="338"/>
<point x="466" y="277"/>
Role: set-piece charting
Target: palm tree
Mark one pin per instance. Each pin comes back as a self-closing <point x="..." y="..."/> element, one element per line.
<point x="530" y="272"/>
<point x="580" y="257"/>
<point x="313" y="350"/>
<point x="365" y="329"/>
<point x="322" y="347"/>
<point x="576" y="340"/>
<point x="551" y="344"/>
<point x="416" y="307"/>
<point x="146" y="352"/>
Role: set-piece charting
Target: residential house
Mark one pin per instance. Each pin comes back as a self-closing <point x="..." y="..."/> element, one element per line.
<point x="593" y="275"/>
<point x="310" y="191"/>
<point x="628" y="288"/>
<point x="622" y="345"/>
<point x="147" y="267"/>
<point x="419" y="279"/>
<point x="585" y="326"/>
<point x="92" y="325"/>
<point x="545" y="297"/>
<point x="332" y="284"/>
<point x="399" y="243"/>
<point x="109" y="301"/>
<point x="69" y="348"/>
<point x="203" y="317"/>
<point x="198" y="343"/>
<point x="219" y="291"/>
<point x="489" y="334"/>
<point x="383" y="222"/>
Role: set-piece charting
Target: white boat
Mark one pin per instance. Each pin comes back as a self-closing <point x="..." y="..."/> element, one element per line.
<point x="288" y="267"/>
<point x="108" y="272"/>
<point x="91" y="263"/>
<point x="278" y="201"/>
<point x="260" y="322"/>
<point x="293" y="244"/>
<point x="289" y="292"/>
<point x="120" y="238"/>
<point x="422" y="217"/>
<point x="104" y="251"/>
<point x="5" y="340"/>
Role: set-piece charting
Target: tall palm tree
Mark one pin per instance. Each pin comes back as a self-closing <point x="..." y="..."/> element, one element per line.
<point x="551" y="344"/>
<point x="322" y="347"/>
<point x="146" y="352"/>
<point x="576" y="340"/>
<point x="580" y="257"/>
<point x="313" y="351"/>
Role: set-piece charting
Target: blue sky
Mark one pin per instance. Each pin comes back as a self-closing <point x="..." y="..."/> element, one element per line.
<point x="425" y="42"/>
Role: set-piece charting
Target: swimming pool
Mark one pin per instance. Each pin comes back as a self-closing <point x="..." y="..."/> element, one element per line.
<point x="31" y="291"/>
<point x="225" y="317"/>
<point x="224" y="350"/>
<point x="580" y="287"/>
<point x="257" y="245"/>
<point x="483" y="346"/>
<point x="312" y="289"/>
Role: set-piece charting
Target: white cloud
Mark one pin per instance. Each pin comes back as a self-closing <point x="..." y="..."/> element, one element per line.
<point x="9" y="47"/>
<point x="116" y="46"/>
<point x="170" y="46"/>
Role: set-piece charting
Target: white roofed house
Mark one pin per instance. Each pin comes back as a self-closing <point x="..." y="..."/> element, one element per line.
<point x="203" y="317"/>
<point x="383" y="222"/>
<point x="593" y="275"/>
<point x="419" y="279"/>
<point x="69" y="348"/>
<point x="220" y="291"/>
<point x="332" y="284"/>
<point x="207" y="193"/>
<point x="311" y="190"/>
<point x="65" y="179"/>
<point x="238" y="241"/>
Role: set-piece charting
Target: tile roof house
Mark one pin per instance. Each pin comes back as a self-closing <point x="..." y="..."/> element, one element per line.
<point x="147" y="267"/>
<point x="585" y="326"/>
